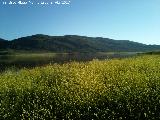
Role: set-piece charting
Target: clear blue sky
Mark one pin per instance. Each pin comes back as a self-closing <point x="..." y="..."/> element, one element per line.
<point x="135" y="20"/>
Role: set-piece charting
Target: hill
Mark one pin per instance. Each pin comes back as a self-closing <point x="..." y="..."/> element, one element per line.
<point x="3" y="44"/>
<point x="74" y="43"/>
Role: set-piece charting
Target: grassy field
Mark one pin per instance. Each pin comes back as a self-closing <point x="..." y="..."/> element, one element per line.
<point x="113" y="89"/>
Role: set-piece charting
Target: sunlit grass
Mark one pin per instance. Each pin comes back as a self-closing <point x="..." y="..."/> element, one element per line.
<point x="113" y="89"/>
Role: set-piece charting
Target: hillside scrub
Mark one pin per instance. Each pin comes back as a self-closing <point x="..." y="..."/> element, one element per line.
<point x="109" y="89"/>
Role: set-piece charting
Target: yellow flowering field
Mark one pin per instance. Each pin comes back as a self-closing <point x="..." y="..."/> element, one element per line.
<point x="110" y="89"/>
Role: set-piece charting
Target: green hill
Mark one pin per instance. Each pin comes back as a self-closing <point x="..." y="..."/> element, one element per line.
<point x="74" y="43"/>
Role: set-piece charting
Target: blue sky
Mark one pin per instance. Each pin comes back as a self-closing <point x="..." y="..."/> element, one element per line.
<point x="135" y="20"/>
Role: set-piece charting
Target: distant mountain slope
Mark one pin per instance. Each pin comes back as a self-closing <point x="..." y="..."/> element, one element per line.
<point x="3" y="44"/>
<point x="74" y="43"/>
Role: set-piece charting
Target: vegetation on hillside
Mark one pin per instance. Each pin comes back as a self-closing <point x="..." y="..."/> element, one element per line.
<point x="114" y="89"/>
<point x="74" y="43"/>
<point x="3" y="44"/>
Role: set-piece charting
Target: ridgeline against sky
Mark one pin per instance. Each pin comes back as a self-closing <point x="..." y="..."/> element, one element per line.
<point x="136" y="20"/>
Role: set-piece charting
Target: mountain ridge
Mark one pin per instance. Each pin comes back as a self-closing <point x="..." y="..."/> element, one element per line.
<point x="74" y="43"/>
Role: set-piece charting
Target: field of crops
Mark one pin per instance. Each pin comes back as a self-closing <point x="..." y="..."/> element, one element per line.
<point x="112" y="89"/>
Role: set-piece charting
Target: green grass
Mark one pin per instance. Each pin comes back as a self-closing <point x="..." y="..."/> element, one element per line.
<point x="114" y="89"/>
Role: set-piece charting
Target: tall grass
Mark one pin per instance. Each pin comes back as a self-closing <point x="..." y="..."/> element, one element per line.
<point x="114" y="89"/>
